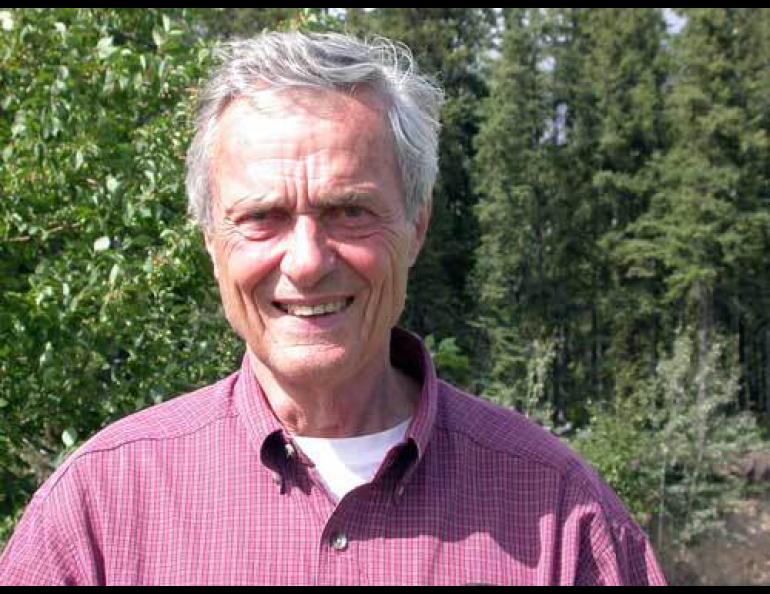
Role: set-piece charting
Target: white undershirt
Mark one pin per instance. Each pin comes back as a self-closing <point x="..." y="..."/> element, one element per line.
<point x="347" y="462"/>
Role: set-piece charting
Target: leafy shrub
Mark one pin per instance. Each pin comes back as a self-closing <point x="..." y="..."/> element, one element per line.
<point x="664" y="449"/>
<point x="106" y="302"/>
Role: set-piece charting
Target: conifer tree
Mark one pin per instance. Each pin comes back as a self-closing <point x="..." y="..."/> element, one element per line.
<point x="627" y="69"/>
<point x="707" y="223"/>
<point x="511" y="275"/>
<point x="560" y="154"/>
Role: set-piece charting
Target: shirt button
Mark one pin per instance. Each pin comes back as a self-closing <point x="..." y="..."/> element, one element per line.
<point x="339" y="542"/>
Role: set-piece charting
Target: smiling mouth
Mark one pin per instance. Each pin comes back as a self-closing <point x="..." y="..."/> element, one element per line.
<point x="310" y="311"/>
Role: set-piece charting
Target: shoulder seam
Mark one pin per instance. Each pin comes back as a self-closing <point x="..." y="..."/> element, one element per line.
<point x="508" y="452"/>
<point x="614" y="520"/>
<point x="491" y="447"/>
<point x="78" y="456"/>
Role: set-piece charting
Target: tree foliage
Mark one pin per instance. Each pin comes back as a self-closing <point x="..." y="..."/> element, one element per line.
<point x="667" y="448"/>
<point x="106" y="304"/>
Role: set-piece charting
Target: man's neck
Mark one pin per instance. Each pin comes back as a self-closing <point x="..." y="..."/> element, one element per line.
<point x="373" y="401"/>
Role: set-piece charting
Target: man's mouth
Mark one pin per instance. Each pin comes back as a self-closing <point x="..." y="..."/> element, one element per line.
<point x="308" y="311"/>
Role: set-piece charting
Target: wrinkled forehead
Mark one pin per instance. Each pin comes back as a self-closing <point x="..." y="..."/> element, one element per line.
<point x="321" y="141"/>
<point x="297" y="121"/>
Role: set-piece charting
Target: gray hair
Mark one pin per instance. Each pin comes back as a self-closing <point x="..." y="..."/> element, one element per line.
<point x="327" y="61"/>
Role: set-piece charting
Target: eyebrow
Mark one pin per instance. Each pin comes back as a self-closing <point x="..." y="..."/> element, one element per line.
<point x="267" y="201"/>
<point x="344" y="199"/>
<point x="262" y="200"/>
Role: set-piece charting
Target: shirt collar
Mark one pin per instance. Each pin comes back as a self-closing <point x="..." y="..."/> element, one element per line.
<point x="262" y="426"/>
<point x="407" y="352"/>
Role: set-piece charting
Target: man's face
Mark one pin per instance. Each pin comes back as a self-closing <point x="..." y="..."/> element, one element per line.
<point x="310" y="241"/>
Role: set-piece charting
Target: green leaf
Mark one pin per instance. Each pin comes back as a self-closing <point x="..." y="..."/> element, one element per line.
<point x="6" y="20"/>
<point x="114" y="272"/>
<point x="47" y="355"/>
<point x="105" y="48"/>
<point x="69" y="436"/>
<point x="112" y="184"/>
<point x="18" y="128"/>
<point x="157" y="37"/>
<point x="102" y="244"/>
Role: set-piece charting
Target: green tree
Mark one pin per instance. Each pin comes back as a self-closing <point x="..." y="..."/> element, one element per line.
<point x="707" y="224"/>
<point x="667" y="449"/>
<point x="577" y="99"/>
<point x="229" y="23"/>
<point x="609" y="71"/>
<point x="511" y="275"/>
<point x="627" y="69"/>
<point x="106" y="302"/>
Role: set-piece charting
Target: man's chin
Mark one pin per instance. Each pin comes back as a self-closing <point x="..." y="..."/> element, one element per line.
<point x="311" y="364"/>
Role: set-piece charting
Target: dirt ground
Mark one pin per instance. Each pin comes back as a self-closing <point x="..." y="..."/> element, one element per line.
<point x="739" y="558"/>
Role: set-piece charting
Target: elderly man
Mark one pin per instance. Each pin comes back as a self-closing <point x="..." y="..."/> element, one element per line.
<point x="335" y="455"/>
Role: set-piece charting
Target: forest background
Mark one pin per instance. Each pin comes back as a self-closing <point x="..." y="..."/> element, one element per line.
<point x="598" y="256"/>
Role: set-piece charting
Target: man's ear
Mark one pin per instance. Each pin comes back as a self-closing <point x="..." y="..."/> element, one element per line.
<point x="421" y="224"/>
<point x="212" y="253"/>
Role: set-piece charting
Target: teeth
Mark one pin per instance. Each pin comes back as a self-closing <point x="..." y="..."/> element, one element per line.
<point x="313" y="310"/>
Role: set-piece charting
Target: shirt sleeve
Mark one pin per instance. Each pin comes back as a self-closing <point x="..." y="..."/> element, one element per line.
<point x="34" y="555"/>
<point x="51" y="543"/>
<point x="626" y="560"/>
<point x="604" y="546"/>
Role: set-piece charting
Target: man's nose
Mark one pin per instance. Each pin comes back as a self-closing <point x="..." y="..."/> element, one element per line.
<point x="308" y="257"/>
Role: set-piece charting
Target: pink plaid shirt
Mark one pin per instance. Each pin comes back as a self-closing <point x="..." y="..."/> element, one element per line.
<point x="207" y="489"/>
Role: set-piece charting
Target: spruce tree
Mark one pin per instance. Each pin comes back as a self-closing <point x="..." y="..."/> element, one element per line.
<point x="627" y="69"/>
<point x="510" y="276"/>
<point x="575" y="115"/>
<point x="707" y="223"/>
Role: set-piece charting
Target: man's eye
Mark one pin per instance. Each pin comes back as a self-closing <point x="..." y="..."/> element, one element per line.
<point x="353" y="211"/>
<point x="257" y="216"/>
<point x="262" y="216"/>
<point x="347" y="212"/>
<point x="260" y="223"/>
